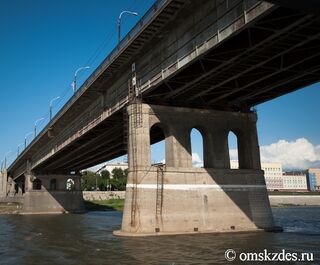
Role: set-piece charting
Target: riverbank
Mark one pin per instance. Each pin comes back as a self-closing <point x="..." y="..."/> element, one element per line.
<point x="294" y="200"/>
<point x="104" y="199"/>
<point x="105" y="205"/>
<point x="275" y="201"/>
<point x="117" y="204"/>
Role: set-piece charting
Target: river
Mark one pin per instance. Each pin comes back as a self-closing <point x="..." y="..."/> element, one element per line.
<point x="87" y="239"/>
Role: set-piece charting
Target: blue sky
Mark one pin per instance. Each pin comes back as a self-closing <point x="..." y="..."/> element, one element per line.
<point x="43" y="42"/>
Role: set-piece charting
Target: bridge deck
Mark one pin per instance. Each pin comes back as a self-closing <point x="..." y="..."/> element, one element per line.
<point x="261" y="53"/>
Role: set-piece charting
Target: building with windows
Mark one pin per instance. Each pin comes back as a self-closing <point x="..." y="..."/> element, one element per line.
<point x="315" y="178"/>
<point x="295" y="181"/>
<point x="112" y="166"/>
<point x="311" y="181"/>
<point x="272" y="174"/>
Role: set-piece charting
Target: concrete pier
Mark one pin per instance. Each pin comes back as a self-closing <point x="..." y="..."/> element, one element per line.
<point x="53" y="193"/>
<point x="3" y="183"/>
<point x="177" y="198"/>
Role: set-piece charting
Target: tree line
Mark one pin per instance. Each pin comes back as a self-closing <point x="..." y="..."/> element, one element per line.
<point x="103" y="181"/>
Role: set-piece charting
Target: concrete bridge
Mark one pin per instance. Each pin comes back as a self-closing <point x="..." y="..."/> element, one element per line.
<point x="186" y="64"/>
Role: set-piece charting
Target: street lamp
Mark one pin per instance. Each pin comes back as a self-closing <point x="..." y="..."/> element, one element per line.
<point x="25" y="139"/>
<point x="19" y="149"/>
<point x="74" y="83"/>
<point x="119" y="23"/>
<point x="35" y="126"/>
<point x="51" y="105"/>
<point x="5" y="159"/>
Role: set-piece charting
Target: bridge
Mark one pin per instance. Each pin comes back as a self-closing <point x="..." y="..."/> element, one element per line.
<point x="186" y="64"/>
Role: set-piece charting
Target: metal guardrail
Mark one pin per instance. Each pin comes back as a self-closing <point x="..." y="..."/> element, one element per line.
<point x="117" y="50"/>
<point x="146" y="18"/>
<point x="120" y="99"/>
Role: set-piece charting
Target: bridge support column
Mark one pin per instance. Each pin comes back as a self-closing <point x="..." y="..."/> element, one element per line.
<point x="52" y="193"/>
<point x="3" y="183"/>
<point x="176" y="198"/>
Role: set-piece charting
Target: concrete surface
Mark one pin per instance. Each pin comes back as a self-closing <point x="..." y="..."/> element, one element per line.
<point x="192" y="200"/>
<point x="103" y="195"/>
<point x="49" y="200"/>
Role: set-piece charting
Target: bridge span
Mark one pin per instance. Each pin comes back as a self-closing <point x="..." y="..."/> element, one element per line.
<point x="186" y="64"/>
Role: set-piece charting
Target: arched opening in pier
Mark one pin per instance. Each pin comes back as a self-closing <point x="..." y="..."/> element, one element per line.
<point x="197" y="148"/>
<point x="70" y="185"/>
<point x="233" y="150"/>
<point x="158" y="145"/>
<point x="53" y="184"/>
<point x="36" y="184"/>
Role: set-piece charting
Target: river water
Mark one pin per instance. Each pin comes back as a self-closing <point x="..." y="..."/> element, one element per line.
<point x="87" y="239"/>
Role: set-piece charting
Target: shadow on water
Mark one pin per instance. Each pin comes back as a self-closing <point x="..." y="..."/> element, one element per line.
<point x="88" y="239"/>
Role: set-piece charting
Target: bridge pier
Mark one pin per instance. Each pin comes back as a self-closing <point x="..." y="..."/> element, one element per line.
<point x="3" y="183"/>
<point x="176" y="198"/>
<point x="52" y="193"/>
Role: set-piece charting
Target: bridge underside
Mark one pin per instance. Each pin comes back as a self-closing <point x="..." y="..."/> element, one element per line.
<point x="271" y="57"/>
<point x="274" y="56"/>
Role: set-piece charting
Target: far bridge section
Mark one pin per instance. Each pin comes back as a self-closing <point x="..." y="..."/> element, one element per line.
<point x="222" y="56"/>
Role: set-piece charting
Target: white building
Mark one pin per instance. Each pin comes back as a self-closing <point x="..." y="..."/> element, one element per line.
<point x="272" y="174"/>
<point x="295" y="181"/>
<point x="112" y="166"/>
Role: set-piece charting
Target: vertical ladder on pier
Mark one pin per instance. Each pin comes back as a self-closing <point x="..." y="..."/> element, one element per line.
<point x="135" y="122"/>
<point x="159" y="192"/>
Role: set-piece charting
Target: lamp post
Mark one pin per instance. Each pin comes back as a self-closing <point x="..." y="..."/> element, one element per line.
<point x="18" y="153"/>
<point x="51" y="105"/>
<point x="119" y="23"/>
<point x="25" y="139"/>
<point x="5" y="159"/>
<point x="35" y="126"/>
<point x="74" y="83"/>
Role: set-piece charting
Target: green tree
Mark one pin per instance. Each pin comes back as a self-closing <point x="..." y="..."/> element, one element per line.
<point x="117" y="173"/>
<point x="88" y="180"/>
<point x="105" y="174"/>
<point x="103" y="180"/>
<point x="119" y="180"/>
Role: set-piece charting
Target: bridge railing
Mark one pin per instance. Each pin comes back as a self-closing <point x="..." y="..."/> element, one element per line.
<point x="91" y="119"/>
<point x="146" y="18"/>
<point x="119" y="97"/>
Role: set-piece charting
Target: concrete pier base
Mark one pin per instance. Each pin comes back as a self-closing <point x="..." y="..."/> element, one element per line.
<point x="3" y="183"/>
<point x="51" y="194"/>
<point x="179" y="199"/>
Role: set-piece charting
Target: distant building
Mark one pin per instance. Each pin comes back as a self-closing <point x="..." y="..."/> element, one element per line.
<point x="272" y="174"/>
<point x="295" y="180"/>
<point x="311" y="181"/>
<point x="316" y="174"/>
<point x="111" y="167"/>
